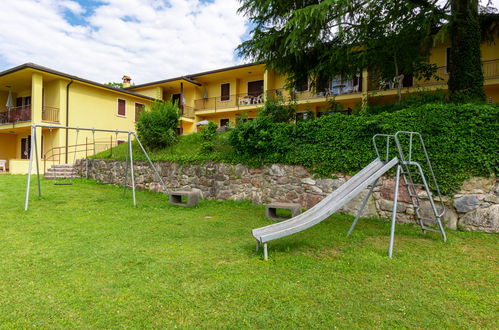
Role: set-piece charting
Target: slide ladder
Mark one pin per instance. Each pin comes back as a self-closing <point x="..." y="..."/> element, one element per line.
<point x="413" y="178"/>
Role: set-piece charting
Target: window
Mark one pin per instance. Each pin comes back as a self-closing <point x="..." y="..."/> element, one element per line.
<point x="176" y="99"/>
<point x="225" y="92"/>
<point x="407" y="81"/>
<point x="25" y="147"/>
<point x="121" y="107"/>
<point x="255" y="88"/>
<point x="139" y="107"/>
<point x="224" y="122"/>
<point x="300" y="116"/>
<point x="301" y="84"/>
<point x="23" y="101"/>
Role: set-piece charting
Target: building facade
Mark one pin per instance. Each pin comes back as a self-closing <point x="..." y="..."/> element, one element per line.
<point x="36" y="94"/>
<point x="221" y="95"/>
<point x="32" y="94"/>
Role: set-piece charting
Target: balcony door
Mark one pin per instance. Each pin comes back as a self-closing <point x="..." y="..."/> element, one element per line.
<point x="255" y="88"/>
<point x="25" y="147"/>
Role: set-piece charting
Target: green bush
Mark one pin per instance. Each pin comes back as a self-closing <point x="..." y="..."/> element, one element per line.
<point x="208" y="135"/>
<point x="157" y="127"/>
<point x="377" y="106"/>
<point x="277" y="111"/>
<point x="462" y="140"/>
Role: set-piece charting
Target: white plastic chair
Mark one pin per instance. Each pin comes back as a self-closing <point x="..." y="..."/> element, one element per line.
<point x="2" y="165"/>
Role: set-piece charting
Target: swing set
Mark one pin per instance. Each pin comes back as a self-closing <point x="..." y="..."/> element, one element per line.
<point x="33" y="153"/>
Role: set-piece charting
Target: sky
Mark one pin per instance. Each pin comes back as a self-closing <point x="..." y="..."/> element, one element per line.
<point x="102" y="40"/>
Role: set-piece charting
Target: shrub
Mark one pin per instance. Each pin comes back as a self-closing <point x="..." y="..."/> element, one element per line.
<point x="277" y="111"/>
<point x="208" y="135"/>
<point x="410" y="100"/>
<point x="157" y="127"/>
<point x="461" y="140"/>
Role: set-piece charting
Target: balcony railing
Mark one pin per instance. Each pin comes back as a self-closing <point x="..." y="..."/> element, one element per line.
<point x="188" y="112"/>
<point x="50" y="114"/>
<point x="23" y="114"/>
<point x="233" y="101"/>
<point x="490" y="71"/>
<point x="287" y="95"/>
<point x="15" y="115"/>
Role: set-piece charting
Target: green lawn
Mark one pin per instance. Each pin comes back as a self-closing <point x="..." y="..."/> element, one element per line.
<point x="83" y="256"/>
<point x="187" y="149"/>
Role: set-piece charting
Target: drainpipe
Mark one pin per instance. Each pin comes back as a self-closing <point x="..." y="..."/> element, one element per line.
<point x="67" y="118"/>
<point x="181" y="105"/>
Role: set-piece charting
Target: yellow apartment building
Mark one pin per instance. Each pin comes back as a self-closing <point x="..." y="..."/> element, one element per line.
<point x="40" y="95"/>
<point x="221" y="95"/>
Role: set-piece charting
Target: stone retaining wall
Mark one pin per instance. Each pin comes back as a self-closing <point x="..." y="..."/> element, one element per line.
<point x="474" y="208"/>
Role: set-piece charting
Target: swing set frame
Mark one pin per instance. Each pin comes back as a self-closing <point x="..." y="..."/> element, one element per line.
<point x="129" y="158"/>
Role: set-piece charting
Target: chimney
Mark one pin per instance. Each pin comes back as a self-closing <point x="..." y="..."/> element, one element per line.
<point x="126" y="81"/>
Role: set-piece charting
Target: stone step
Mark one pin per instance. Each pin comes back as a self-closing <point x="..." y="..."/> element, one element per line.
<point x="52" y="177"/>
<point x="63" y="165"/>
<point x="61" y="173"/>
<point x="61" y="169"/>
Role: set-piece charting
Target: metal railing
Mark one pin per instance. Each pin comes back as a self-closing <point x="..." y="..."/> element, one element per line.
<point x="50" y="114"/>
<point x="89" y="148"/>
<point x="490" y="71"/>
<point x="15" y="115"/>
<point x="231" y="101"/>
<point x="292" y="95"/>
<point x="24" y="114"/>
<point x="188" y="112"/>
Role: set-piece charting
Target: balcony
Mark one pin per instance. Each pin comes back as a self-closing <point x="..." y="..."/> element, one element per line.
<point x="15" y="115"/>
<point x="50" y="114"/>
<point x="490" y="71"/>
<point x="188" y="112"/>
<point x="23" y="114"/>
<point x="234" y="101"/>
<point x="286" y="95"/>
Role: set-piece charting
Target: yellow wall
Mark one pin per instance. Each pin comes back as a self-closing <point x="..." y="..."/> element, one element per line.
<point x="8" y="146"/>
<point x="89" y="106"/>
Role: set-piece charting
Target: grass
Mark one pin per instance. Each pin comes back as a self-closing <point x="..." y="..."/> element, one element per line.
<point x="188" y="149"/>
<point x="83" y="256"/>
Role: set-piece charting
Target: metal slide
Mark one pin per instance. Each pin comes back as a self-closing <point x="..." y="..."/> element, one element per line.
<point x="329" y="205"/>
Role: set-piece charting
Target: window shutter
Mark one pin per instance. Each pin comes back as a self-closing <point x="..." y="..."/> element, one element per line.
<point x="121" y="107"/>
<point x="139" y="107"/>
<point x="225" y="92"/>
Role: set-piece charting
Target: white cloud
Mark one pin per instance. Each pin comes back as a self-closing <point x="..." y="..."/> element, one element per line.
<point x="146" y="39"/>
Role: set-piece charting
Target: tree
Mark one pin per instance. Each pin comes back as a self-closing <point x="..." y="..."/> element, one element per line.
<point x="114" y="84"/>
<point x="325" y="38"/>
<point x="465" y="67"/>
<point x="157" y="127"/>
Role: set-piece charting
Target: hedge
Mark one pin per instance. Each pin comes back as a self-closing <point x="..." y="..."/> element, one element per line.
<point x="462" y="140"/>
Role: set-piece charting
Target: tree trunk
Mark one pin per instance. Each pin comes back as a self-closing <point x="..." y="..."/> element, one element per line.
<point x="465" y="67"/>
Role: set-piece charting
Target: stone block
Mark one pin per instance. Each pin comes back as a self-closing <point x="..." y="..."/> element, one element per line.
<point x="466" y="203"/>
<point x="191" y="198"/>
<point x="353" y="206"/>
<point x="485" y="220"/>
<point x="478" y="185"/>
<point x="387" y="205"/>
<point x="387" y="191"/>
<point x="271" y="210"/>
